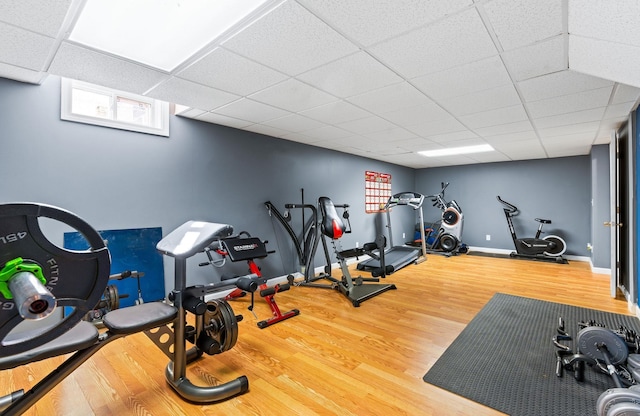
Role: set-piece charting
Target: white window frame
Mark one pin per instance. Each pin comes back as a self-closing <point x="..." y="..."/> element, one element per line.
<point x="159" y="109"/>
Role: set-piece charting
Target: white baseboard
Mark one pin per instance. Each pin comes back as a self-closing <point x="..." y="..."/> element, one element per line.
<point x="568" y="257"/>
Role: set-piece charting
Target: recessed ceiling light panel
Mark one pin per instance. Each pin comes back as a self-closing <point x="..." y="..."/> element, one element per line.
<point x="157" y="33"/>
<point x="453" y="151"/>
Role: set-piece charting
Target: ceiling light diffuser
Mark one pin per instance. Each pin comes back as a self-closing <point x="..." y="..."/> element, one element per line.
<point x="157" y="33"/>
<point x="452" y="151"/>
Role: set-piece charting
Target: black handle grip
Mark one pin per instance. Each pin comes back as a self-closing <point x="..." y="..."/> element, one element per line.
<point x="247" y="284"/>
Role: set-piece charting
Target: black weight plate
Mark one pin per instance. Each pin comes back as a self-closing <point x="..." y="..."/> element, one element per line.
<point x="76" y="278"/>
<point x="225" y="323"/>
<point x="590" y="337"/>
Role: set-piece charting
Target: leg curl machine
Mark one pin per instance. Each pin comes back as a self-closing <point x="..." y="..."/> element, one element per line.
<point x="243" y="247"/>
<point x="36" y="277"/>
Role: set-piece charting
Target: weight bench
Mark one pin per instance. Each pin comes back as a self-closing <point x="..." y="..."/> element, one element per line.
<point x="36" y="277"/>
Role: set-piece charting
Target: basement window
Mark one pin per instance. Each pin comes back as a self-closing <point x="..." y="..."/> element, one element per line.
<point x="92" y="104"/>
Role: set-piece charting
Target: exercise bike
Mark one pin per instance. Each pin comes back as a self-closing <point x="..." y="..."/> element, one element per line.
<point x="445" y="235"/>
<point x="550" y="247"/>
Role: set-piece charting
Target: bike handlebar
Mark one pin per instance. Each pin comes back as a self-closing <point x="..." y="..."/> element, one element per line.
<point x="510" y="208"/>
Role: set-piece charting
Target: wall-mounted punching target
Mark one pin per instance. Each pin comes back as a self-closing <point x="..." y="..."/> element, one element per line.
<point x="37" y="275"/>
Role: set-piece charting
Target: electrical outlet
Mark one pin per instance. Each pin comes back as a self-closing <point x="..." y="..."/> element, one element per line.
<point x="488" y="237"/>
<point x="403" y="236"/>
<point x="357" y="244"/>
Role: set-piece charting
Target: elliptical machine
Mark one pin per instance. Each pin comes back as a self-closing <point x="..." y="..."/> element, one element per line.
<point x="445" y="235"/>
<point x="550" y="247"/>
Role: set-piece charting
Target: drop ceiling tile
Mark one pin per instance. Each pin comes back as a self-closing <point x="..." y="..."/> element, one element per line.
<point x="522" y="150"/>
<point x="558" y="84"/>
<point x="291" y="40"/>
<point x="35" y="15"/>
<point x="414" y="115"/>
<point x="366" y="125"/>
<point x="391" y="98"/>
<point x="351" y="75"/>
<point x="180" y="91"/>
<point x="21" y="74"/>
<point x="511" y="137"/>
<point x="619" y="110"/>
<point x="428" y="128"/>
<point x="369" y="22"/>
<point x="600" y="19"/>
<point x="293" y="95"/>
<point x="294" y="123"/>
<point x="336" y="112"/>
<point x="246" y="109"/>
<point x="392" y="135"/>
<point x="537" y="59"/>
<point x="453" y="137"/>
<point x="518" y="23"/>
<point x="609" y="125"/>
<point x="416" y="144"/>
<point x="82" y="64"/>
<point x="22" y="48"/>
<point x="508" y="128"/>
<point x="602" y="59"/>
<point x="613" y="123"/>
<point x="328" y="133"/>
<point x="230" y="72"/>
<point x="583" y="128"/>
<point x="266" y="130"/>
<point x="560" y="149"/>
<point x="625" y="93"/>
<point x="505" y="115"/>
<point x="223" y="120"/>
<point x="571" y="103"/>
<point x="464" y="79"/>
<point x="482" y="101"/>
<point x="450" y="42"/>
<point x="585" y="116"/>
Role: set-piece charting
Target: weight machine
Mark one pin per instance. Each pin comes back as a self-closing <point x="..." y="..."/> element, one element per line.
<point x="243" y="247"/>
<point x="37" y="277"/>
<point x="319" y="225"/>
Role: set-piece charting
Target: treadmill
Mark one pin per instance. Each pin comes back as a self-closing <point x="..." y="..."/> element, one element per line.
<point x="399" y="256"/>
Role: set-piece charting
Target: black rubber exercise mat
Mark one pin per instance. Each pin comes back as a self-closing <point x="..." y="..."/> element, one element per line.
<point x="505" y="359"/>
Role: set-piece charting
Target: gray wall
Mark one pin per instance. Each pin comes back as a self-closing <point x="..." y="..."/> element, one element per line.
<point x="600" y="194"/>
<point x="116" y="179"/>
<point x="556" y="189"/>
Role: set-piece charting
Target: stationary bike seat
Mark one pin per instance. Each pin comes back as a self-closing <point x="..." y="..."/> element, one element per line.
<point x="543" y="221"/>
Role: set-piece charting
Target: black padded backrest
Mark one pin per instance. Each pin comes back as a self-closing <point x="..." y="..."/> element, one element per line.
<point x="332" y="225"/>
<point x="244" y="248"/>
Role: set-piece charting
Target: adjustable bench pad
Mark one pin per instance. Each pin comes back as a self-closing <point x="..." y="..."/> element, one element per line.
<point x="139" y="318"/>
<point x="79" y="337"/>
<point x="84" y="335"/>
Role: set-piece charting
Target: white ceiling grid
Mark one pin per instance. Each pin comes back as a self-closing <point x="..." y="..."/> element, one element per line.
<point x="383" y="79"/>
